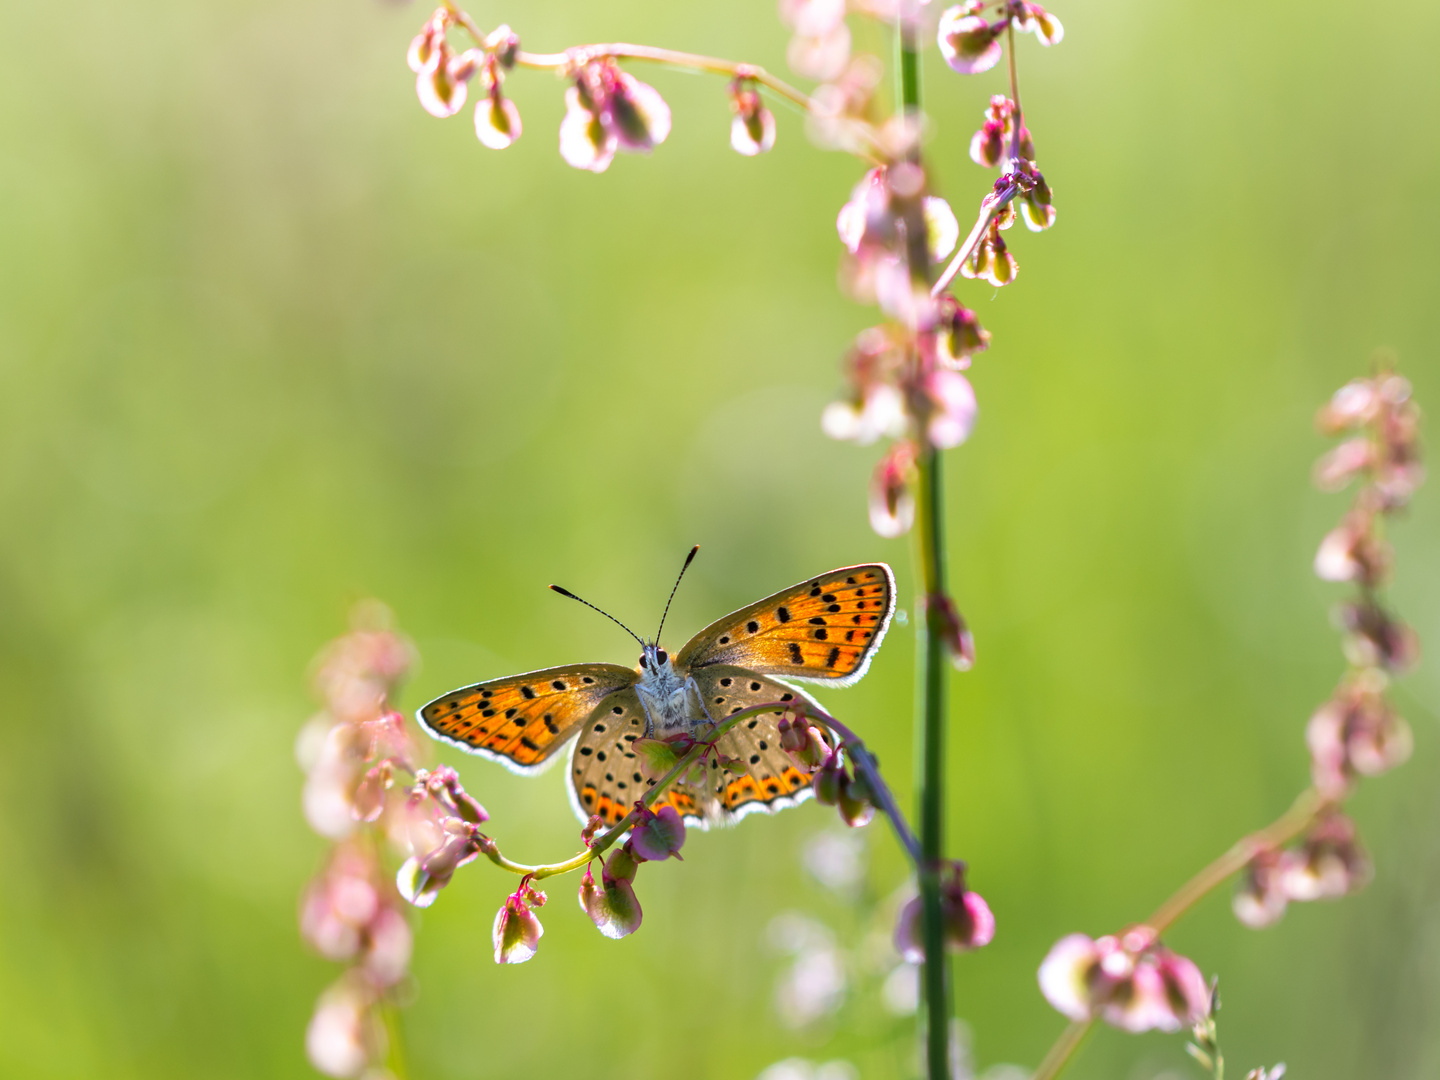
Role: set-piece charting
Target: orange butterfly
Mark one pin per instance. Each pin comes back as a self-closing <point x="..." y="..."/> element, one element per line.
<point x="824" y="630"/>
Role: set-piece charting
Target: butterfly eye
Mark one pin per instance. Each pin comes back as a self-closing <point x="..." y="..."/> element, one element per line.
<point x="642" y="659"/>
<point x="661" y="656"/>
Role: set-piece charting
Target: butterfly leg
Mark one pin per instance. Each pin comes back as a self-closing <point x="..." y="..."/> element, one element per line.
<point x="695" y="704"/>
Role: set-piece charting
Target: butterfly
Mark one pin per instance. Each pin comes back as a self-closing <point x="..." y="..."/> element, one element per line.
<point x="825" y="629"/>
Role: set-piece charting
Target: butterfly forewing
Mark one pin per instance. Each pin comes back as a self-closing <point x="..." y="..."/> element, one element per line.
<point x="826" y="628"/>
<point x="772" y="779"/>
<point x="521" y="721"/>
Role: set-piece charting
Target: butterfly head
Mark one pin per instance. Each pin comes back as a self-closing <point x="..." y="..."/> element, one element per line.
<point x="654" y="660"/>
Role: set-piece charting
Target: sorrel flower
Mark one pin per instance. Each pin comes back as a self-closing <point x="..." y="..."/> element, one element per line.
<point x="1260" y="898"/>
<point x="612" y="905"/>
<point x="1356" y="733"/>
<point x="517" y="931"/>
<point x="970" y="43"/>
<point x="1328" y="864"/>
<point x="753" y="129"/>
<point x="969" y="923"/>
<point x="1130" y="982"/>
<point x="607" y="110"/>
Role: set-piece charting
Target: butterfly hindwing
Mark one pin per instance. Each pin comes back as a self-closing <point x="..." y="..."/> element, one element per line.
<point x="826" y="629"/>
<point x="523" y="720"/>
<point x="772" y="779"/>
<point x="605" y="777"/>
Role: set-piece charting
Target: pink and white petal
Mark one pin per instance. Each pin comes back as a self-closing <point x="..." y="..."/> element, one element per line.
<point x="584" y="142"/>
<point x="942" y="228"/>
<point x="497" y="122"/>
<point x="1065" y="976"/>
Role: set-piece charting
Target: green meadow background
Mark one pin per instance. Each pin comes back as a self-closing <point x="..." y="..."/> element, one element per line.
<point x="273" y="340"/>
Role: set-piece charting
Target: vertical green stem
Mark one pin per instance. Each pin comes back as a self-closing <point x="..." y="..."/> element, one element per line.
<point x="930" y="651"/>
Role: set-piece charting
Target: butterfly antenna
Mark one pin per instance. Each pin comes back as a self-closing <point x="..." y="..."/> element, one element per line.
<point x="612" y="618"/>
<point x="688" y="560"/>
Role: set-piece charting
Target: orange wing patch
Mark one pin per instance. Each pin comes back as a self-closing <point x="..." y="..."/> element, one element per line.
<point x="826" y="629"/>
<point x="523" y="720"/>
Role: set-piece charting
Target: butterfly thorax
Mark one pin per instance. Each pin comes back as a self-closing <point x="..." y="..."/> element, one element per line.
<point x="671" y="698"/>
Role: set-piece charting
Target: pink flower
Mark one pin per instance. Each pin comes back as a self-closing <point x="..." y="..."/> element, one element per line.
<point x="1353" y="552"/>
<point x="1260" y="898"/>
<point x="892" y="502"/>
<point x="969" y="43"/>
<point x="812" y="18"/>
<point x="821" y="57"/>
<point x="497" y="120"/>
<point x="753" y="129"/>
<point x="344" y="1035"/>
<point x="959" y="334"/>
<point x="990" y="145"/>
<point x="517" y="931"/>
<point x="969" y="923"/>
<point x="1340" y="465"/>
<point x="612" y="905"/>
<point x="421" y="878"/>
<point x="1042" y="24"/>
<point x="659" y="836"/>
<point x="991" y="261"/>
<point x="951" y="407"/>
<point x="954" y="631"/>
<point x="856" y="803"/>
<point x="1129" y="982"/>
<point x="1328" y="864"/>
<point x="1373" y="638"/>
<point x="607" y="110"/>
<point x="1356" y="732"/>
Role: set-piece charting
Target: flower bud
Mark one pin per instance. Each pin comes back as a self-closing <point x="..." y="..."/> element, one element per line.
<point x="658" y="837"/>
<point x="942" y="230"/>
<point x="969" y="43"/>
<point x="822" y="57"/>
<point x="504" y="45"/>
<point x="953" y="631"/>
<point x="1340" y="465"/>
<point x="1353" y="405"/>
<point x="516" y="933"/>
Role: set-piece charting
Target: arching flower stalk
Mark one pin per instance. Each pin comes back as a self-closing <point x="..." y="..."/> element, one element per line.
<point x="1312" y="852"/>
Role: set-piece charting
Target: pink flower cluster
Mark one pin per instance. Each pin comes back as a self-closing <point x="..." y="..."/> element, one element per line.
<point x="606" y="109"/>
<point x="905" y="376"/>
<point x="1327" y="864"/>
<point x="970" y="42"/>
<point x="1130" y="981"/>
<point x="1357" y="732"/>
<point x="611" y="903"/>
<point x="351" y="913"/>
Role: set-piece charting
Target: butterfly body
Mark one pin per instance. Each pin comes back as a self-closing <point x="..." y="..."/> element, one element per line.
<point x="671" y="699"/>
<point x="825" y="630"/>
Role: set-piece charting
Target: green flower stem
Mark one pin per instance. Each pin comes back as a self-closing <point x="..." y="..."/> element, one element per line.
<point x="1301" y="815"/>
<point x="395" y="1041"/>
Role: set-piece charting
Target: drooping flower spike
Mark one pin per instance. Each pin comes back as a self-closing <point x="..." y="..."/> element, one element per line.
<point x="971" y="43"/>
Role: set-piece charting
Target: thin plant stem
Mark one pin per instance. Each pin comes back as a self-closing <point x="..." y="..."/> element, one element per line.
<point x="884" y="798"/>
<point x="1309" y="805"/>
<point x="583" y="54"/>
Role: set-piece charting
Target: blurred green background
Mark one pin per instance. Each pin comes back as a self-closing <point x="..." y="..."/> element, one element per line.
<point x="273" y="340"/>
